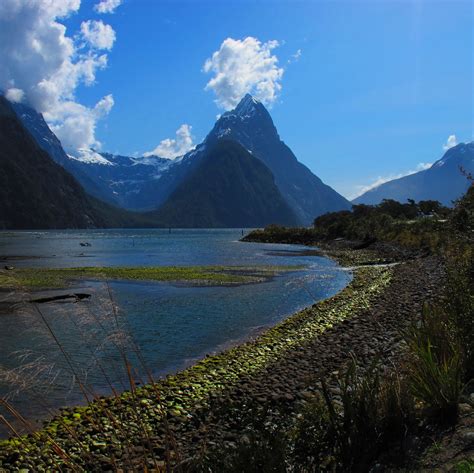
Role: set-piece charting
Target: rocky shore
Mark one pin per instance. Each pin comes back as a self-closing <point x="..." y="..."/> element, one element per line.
<point x="206" y="405"/>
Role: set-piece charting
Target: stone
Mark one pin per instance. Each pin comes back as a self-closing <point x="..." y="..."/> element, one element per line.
<point x="465" y="408"/>
<point x="468" y="436"/>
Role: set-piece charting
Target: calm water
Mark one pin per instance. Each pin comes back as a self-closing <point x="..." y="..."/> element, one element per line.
<point x="172" y="325"/>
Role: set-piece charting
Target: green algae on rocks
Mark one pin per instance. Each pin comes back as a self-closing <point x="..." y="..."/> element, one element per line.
<point x="107" y="427"/>
<point x="50" y="278"/>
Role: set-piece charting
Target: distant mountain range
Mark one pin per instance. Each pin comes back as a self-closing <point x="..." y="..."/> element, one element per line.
<point x="155" y="185"/>
<point x="443" y="181"/>
<point x="241" y="175"/>
<point x="36" y="192"/>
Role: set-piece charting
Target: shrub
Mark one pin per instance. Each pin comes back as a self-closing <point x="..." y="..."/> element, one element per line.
<point x="435" y="370"/>
<point x="350" y="433"/>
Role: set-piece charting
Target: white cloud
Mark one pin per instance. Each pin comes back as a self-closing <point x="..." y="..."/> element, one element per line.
<point x="97" y="34"/>
<point x="47" y="65"/>
<point x="244" y="66"/>
<point x="107" y="6"/>
<point x="295" y="57"/>
<point x="383" y="179"/>
<point x="78" y="125"/>
<point x="450" y="143"/>
<point x="15" y="95"/>
<point x="172" y="148"/>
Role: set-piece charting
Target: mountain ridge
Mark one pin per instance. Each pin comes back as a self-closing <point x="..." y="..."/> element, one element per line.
<point x="443" y="181"/>
<point x="251" y="125"/>
<point x="136" y="185"/>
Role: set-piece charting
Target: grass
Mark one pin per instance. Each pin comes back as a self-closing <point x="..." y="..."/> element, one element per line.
<point x="42" y="278"/>
<point x="464" y="466"/>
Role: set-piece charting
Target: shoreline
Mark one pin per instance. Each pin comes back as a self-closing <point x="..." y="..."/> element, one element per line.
<point x="191" y="394"/>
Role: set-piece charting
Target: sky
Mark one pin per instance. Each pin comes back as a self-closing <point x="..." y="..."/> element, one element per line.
<point x="361" y="91"/>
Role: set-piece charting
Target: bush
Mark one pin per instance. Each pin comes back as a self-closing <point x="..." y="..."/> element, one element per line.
<point x="350" y="433"/>
<point x="435" y="370"/>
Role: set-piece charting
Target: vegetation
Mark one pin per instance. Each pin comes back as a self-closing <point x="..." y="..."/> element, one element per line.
<point x="104" y="433"/>
<point x="419" y="225"/>
<point x="374" y="413"/>
<point x="34" y="278"/>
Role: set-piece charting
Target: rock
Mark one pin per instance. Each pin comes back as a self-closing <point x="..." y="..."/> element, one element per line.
<point x="465" y="408"/>
<point x="471" y="399"/>
<point x="468" y="436"/>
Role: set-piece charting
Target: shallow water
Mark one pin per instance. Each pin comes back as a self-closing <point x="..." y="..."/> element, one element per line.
<point x="172" y="325"/>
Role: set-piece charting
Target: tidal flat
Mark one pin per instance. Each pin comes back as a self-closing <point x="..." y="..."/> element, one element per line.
<point x="53" y="278"/>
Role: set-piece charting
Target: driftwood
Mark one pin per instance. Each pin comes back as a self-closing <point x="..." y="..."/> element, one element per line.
<point x="76" y="296"/>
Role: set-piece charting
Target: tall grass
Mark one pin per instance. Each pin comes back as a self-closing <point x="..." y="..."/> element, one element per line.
<point x="348" y="430"/>
<point x="435" y="368"/>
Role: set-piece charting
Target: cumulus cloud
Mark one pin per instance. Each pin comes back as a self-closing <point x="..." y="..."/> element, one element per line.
<point x="15" y="95"/>
<point x="97" y="34"/>
<point x="77" y="127"/>
<point x="450" y="143"/>
<point x="244" y="66"/>
<point x="383" y="179"/>
<point x="43" y="66"/>
<point x="172" y="148"/>
<point x="107" y="6"/>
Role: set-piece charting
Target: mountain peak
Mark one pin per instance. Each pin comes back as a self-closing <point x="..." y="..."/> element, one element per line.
<point x="247" y="106"/>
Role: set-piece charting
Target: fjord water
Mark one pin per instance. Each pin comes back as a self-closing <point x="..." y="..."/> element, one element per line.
<point x="172" y="324"/>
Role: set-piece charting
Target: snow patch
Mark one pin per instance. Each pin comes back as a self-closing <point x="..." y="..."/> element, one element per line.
<point x="90" y="156"/>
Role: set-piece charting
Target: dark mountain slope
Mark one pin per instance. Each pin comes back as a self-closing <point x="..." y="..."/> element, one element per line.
<point x="443" y="181"/>
<point x="36" y="192"/>
<point x="251" y="125"/>
<point x="47" y="140"/>
<point x="230" y="188"/>
<point x="137" y="184"/>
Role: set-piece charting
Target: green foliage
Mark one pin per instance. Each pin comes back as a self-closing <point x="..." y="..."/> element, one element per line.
<point x="463" y="215"/>
<point x="435" y="375"/>
<point x="313" y="437"/>
<point x="280" y="234"/>
<point x="348" y="434"/>
<point x="464" y="466"/>
<point x="412" y="224"/>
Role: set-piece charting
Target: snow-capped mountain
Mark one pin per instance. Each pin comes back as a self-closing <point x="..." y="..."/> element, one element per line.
<point x="129" y="182"/>
<point x="443" y="181"/>
<point x="145" y="183"/>
<point x="251" y="125"/>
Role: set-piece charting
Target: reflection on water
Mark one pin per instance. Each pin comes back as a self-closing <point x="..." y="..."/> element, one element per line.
<point x="171" y="325"/>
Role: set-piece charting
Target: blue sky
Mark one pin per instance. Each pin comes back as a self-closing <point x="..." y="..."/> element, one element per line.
<point x="378" y="88"/>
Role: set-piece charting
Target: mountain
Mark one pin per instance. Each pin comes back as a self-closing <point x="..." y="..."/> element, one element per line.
<point x="36" y="192"/>
<point x="229" y="188"/>
<point x="251" y="125"/>
<point x="118" y="180"/>
<point x="142" y="184"/>
<point x="443" y="181"/>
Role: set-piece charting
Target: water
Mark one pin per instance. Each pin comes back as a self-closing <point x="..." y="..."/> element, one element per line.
<point x="173" y="325"/>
